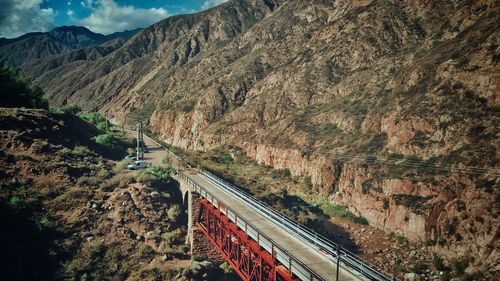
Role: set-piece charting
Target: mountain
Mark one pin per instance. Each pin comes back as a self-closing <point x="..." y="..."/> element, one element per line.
<point x="76" y="36"/>
<point x="125" y="35"/>
<point x="39" y="45"/>
<point x="387" y="107"/>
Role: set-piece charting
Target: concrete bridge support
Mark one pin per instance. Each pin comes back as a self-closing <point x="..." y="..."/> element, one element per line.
<point x="201" y="247"/>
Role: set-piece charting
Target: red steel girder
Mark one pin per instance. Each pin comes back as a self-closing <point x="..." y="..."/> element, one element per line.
<point x="250" y="261"/>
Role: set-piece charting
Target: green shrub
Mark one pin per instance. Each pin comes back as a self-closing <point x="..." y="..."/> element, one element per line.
<point x="166" y="161"/>
<point x="334" y="210"/>
<point x="225" y="159"/>
<point x="171" y="237"/>
<point x="122" y="165"/>
<point x="16" y="202"/>
<point x="71" y="110"/>
<point x="160" y="172"/>
<point x="174" y="213"/>
<point x="226" y="267"/>
<point x="307" y="181"/>
<point x="146" y="178"/>
<point x="108" y="141"/>
<point x="93" y="118"/>
<point x="221" y="156"/>
<point x="102" y="126"/>
<point x="44" y="223"/>
<point x="81" y="151"/>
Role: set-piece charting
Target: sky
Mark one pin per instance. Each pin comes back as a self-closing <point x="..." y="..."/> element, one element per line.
<point x="18" y="17"/>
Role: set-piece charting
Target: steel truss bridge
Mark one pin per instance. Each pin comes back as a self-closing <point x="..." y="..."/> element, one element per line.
<point x="260" y="243"/>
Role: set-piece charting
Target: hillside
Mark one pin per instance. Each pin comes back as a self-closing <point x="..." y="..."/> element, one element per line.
<point x="70" y="213"/>
<point x="387" y="107"/>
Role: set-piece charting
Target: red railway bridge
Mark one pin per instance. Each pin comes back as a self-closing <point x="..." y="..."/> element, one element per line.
<point x="260" y="243"/>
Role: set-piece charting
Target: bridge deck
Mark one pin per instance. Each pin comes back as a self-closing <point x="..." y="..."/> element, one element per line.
<point x="318" y="262"/>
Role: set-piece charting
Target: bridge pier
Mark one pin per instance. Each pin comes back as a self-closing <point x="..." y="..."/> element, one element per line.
<point x="199" y="244"/>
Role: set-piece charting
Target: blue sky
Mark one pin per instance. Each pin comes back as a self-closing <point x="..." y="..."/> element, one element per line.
<point x="104" y="16"/>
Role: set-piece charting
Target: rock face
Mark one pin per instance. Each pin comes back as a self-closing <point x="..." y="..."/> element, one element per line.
<point x="388" y="106"/>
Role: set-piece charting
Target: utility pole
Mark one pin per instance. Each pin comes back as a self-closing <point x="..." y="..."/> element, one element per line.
<point x="142" y="134"/>
<point x="138" y="149"/>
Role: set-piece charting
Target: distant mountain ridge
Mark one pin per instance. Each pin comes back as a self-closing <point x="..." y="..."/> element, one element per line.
<point x="63" y="39"/>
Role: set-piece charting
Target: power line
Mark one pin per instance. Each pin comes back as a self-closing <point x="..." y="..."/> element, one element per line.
<point x="412" y="163"/>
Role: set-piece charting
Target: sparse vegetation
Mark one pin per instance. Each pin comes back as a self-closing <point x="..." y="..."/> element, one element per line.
<point x="280" y="173"/>
<point x="399" y="266"/>
<point x="117" y="181"/>
<point x="333" y="210"/>
<point x="458" y="266"/>
<point x="71" y="110"/>
<point x="415" y="202"/>
<point x="307" y="181"/>
<point x="419" y="266"/>
<point x="366" y="186"/>
<point x="386" y="203"/>
<point x="400" y="239"/>
<point x="174" y="212"/>
<point x="171" y="237"/>
<point x="438" y="263"/>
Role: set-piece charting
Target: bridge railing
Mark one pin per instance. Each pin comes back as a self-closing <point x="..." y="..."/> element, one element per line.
<point x="293" y="264"/>
<point x="349" y="260"/>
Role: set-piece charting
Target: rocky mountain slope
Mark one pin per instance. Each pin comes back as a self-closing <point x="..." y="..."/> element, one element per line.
<point x="64" y="39"/>
<point x="388" y="107"/>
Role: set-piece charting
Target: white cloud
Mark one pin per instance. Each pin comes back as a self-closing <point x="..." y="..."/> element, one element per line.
<point x="108" y="17"/>
<point x="87" y="3"/>
<point x="211" y="3"/>
<point x="18" y="17"/>
<point x="70" y="13"/>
